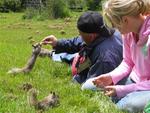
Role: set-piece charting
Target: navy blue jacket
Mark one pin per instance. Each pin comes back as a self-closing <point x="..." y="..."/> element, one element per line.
<point x="105" y="54"/>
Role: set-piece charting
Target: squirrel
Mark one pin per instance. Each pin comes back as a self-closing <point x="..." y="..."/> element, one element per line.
<point x="36" y="51"/>
<point x="49" y="101"/>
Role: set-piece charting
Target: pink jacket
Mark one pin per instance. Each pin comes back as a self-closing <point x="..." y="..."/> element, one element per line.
<point x="136" y="62"/>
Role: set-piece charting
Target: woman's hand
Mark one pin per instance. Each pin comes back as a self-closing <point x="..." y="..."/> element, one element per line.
<point x="110" y="91"/>
<point x="103" y="80"/>
<point x="52" y="40"/>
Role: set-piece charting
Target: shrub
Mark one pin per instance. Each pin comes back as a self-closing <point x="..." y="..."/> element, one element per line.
<point x="38" y="14"/>
<point x="30" y="13"/>
<point x="76" y="4"/>
<point x="85" y="4"/>
<point x="93" y="4"/>
<point x="49" y="9"/>
<point x="10" y="5"/>
<point x="57" y="8"/>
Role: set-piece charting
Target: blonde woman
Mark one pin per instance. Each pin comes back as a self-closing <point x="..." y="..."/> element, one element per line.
<point x="130" y="81"/>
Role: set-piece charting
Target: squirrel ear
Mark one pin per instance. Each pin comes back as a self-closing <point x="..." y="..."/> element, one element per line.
<point x="33" y="46"/>
<point x="54" y="93"/>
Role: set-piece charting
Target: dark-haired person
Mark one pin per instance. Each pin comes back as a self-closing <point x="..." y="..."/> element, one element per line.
<point x="99" y="47"/>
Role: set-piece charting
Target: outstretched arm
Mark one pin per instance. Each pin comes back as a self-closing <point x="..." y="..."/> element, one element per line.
<point x="71" y="46"/>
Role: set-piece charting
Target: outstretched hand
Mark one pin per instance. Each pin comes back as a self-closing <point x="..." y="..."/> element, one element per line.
<point x="103" y="80"/>
<point x="52" y="40"/>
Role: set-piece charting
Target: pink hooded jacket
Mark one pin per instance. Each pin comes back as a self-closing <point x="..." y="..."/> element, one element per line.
<point x="136" y="62"/>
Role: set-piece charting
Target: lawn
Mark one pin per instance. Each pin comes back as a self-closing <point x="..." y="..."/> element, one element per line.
<point x="47" y="75"/>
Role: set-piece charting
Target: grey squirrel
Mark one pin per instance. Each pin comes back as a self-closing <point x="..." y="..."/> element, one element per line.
<point x="36" y="51"/>
<point x="49" y="101"/>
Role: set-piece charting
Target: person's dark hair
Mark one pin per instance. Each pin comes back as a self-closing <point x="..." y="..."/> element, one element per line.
<point x="92" y="22"/>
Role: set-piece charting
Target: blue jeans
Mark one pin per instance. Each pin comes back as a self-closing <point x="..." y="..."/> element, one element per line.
<point x="133" y="102"/>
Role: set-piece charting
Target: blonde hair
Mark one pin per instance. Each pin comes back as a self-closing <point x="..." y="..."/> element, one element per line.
<point x="114" y="10"/>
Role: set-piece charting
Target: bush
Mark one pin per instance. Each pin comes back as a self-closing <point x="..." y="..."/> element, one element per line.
<point x="85" y="4"/>
<point x="93" y="4"/>
<point x="76" y="4"/>
<point x="49" y="9"/>
<point x="38" y="14"/>
<point x="30" y="13"/>
<point x="10" y="5"/>
<point x="57" y="8"/>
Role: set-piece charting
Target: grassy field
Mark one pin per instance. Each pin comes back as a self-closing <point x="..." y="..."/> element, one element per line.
<point x="47" y="75"/>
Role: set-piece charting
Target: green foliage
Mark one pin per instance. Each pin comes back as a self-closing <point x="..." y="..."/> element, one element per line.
<point x="50" y="9"/>
<point x="93" y="4"/>
<point x="10" y="5"/>
<point x="38" y="14"/>
<point x="30" y="13"/>
<point x="53" y="8"/>
<point x="85" y="4"/>
<point x="57" y="8"/>
<point x="76" y="4"/>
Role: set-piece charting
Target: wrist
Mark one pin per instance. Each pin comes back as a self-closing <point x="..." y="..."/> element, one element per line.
<point x="54" y="44"/>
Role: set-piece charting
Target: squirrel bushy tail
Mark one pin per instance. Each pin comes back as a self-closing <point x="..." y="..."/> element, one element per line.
<point x="49" y="101"/>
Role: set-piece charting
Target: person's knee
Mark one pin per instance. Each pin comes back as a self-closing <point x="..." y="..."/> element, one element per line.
<point x="133" y="102"/>
<point x="88" y="85"/>
<point x="131" y="107"/>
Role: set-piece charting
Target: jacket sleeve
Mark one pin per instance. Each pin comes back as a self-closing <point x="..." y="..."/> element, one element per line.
<point x="123" y="90"/>
<point x="69" y="45"/>
<point x="126" y="65"/>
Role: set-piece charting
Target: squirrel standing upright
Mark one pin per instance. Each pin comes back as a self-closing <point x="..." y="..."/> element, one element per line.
<point x="36" y="51"/>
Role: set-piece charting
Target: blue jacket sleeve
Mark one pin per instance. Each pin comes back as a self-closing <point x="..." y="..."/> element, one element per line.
<point x="69" y="45"/>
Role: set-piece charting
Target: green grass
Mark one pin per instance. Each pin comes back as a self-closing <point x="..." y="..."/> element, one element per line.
<point x="47" y="75"/>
